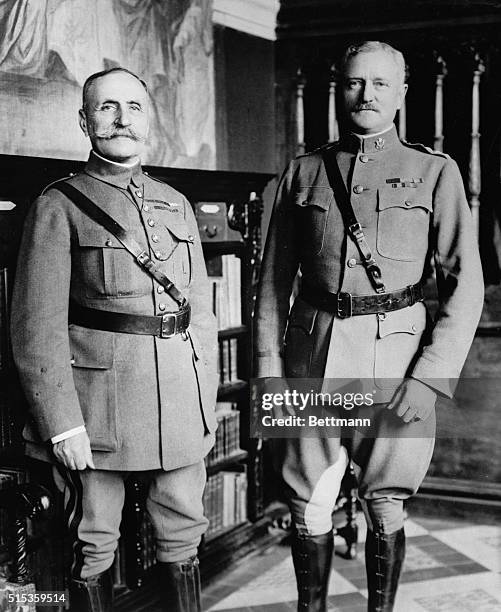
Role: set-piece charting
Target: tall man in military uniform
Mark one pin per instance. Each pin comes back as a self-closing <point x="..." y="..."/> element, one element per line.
<point x="118" y="367"/>
<point x="359" y="314"/>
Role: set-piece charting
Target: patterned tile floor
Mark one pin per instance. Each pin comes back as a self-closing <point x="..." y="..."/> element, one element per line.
<point x="451" y="566"/>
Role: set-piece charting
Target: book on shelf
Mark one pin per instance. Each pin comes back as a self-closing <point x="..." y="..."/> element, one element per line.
<point x="227" y="441"/>
<point x="225" y="279"/>
<point x="225" y="500"/>
<point x="228" y="360"/>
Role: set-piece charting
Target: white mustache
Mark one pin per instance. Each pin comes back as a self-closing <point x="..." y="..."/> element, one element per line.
<point x="365" y="107"/>
<point x="116" y="133"/>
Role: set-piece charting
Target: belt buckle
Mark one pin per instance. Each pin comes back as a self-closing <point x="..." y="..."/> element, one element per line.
<point x="168" y="325"/>
<point x="343" y="306"/>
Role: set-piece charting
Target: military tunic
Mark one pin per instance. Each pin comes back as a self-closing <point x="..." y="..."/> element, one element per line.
<point x="410" y="203"/>
<point x="146" y="402"/>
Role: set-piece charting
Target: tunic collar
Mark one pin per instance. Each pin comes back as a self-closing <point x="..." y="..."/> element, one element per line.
<point x="119" y="175"/>
<point x="374" y="143"/>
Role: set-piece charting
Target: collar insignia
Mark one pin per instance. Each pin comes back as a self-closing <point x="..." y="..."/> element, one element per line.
<point x="379" y="144"/>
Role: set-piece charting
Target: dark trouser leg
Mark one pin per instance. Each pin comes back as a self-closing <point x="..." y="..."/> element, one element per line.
<point x="384" y="555"/>
<point x="180" y="586"/>
<point x="175" y="507"/>
<point x="94" y="594"/>
<point x="312" y="557"/>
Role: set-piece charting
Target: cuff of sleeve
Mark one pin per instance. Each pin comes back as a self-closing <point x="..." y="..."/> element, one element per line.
<point x="68" y="434"/>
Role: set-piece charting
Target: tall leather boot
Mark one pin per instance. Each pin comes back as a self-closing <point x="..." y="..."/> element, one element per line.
<point x="94" y="594"/>
<point x="384" y="555"/>
<point x="312" y="557"/>
<point x="180" y="586"/>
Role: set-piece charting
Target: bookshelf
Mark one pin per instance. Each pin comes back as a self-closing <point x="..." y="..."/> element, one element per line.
<point x="235" y="494"/>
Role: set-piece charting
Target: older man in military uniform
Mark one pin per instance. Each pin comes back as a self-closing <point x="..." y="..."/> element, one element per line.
<point x="118" y="366"/>
<point x="359" y="219"/>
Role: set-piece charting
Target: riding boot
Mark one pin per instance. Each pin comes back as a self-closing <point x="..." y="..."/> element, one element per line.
<point x="93" y="594"/>
<point x="312" y="557"/>
<point x="384" y="555"/>
<point x="180" y="586"/>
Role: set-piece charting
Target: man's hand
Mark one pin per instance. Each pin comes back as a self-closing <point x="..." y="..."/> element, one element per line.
<point x="413" y="401"/>
<point x="74" y="452"/>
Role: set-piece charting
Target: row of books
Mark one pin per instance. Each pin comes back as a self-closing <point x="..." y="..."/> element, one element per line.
<point x="228" y="360"/>
<point x="225" y="278"/>
<point x="225" y="500"/>
<point x="227" y="435"/>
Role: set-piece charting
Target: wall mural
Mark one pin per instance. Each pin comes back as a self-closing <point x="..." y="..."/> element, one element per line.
<point x="49" y="47"/>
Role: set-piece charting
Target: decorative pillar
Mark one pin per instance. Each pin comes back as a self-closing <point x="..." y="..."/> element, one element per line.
<point x="438" y="143"/>
<point x="474" y="169"/>
<point x="402" y="113"/>
<point x="300" y="84"/>
<point x="333" y="124"/>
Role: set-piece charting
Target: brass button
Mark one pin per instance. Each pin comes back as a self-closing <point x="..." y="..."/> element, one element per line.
<point x="160" y="255"/>
<point x="358" y="189"/>
<point x="381" y="316"/>
<point x="72" y="361"/>
<point x="161" y="306"/>
<point x="364" y="158"/>
<point x="109" y="243"/>
<point x="191" y="238"/>
<point x="352" y="263"/>
<point x="408" y="203"/>
<point x="414" y="328"/>
<point x="146" y="208"/>
<point x="155" y="238"/>
<point x="139" y="193"/>
<point x="160" y="289"/>
<point x="151" y="223"/>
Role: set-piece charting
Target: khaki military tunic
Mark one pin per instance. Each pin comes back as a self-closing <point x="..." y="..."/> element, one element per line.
<point x="146" y="402"/>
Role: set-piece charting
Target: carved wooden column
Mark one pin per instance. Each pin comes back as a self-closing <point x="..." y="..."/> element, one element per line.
<point x="333" y="124"/>
<point x="438" y="142"/>
<point x="402" y="113"/>
<point x="474" y="170"/>
<point x="300" y="84"/>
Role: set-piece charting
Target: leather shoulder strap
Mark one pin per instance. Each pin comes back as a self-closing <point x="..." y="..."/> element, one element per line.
<point x="97" y="214"/>
<point x="351" y="223"/>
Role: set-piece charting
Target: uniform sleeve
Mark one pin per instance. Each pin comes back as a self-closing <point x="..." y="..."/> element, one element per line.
<point x="203" y="320"/>
<point x="39" y="330"/>
<point x="459" y="283"/>
<point x="278" y="270"/>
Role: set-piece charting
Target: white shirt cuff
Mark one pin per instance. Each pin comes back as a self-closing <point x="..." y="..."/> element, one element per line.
<point x="68" y="434"/>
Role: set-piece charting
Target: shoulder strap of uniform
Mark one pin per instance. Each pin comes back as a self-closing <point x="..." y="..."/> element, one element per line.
<point x="424" y="149"/>
<point x="51" y="185"/>
<point x="97" y="214"/>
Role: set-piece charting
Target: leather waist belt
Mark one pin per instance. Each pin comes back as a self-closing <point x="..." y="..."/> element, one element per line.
<point x="346" y="305"/>
<point x="162" y="326"/>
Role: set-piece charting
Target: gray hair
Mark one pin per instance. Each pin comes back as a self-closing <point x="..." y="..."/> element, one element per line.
<point x="370" y="46"/>
<point x="98" y="75"/>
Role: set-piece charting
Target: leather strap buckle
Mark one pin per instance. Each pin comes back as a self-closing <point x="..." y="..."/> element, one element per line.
<point x="344" y="305"/>
<point x="168" y="325"/>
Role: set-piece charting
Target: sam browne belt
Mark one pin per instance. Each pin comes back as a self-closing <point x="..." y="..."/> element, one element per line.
<point x="345" y="305"/>
<point x="164" y="326"/>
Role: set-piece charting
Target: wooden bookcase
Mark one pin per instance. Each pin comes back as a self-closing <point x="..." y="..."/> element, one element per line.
<point x="22" y="179"/>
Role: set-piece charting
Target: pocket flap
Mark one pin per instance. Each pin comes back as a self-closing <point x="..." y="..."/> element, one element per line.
<point x="89" y="236"/>
<point x="314" y="196"/>
<point x="407" y="320"/>
<point x="302" y="315"/>
<point x="91" y="348"/>
<point x="405" y="198"/>
<point x="181" y="231"/>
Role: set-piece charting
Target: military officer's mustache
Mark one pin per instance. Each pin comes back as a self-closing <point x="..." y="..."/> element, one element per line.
<point x="365" y="107"/>
<point x="119" y="133"/>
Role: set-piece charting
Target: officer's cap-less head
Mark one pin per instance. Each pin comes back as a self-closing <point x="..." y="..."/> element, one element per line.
<point x="115" y="114"/>
<point x="373" y="86"/>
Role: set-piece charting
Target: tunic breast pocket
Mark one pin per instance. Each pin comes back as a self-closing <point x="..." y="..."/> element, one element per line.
<point x="403" y="223"/>
<point x="180" y="253"/>
<point x="105" y="268"/>
<point x="312" y="207"/>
